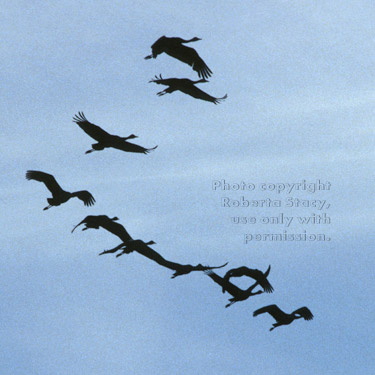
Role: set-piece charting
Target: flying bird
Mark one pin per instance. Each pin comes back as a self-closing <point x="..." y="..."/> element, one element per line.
<point x="59" y="195"/>
<point x="175" y="47"/>
<point x="97" y="221"/>
<point x="237" y="293"/>
<point x="255" y="274"/>
<point x="106" y="140"/>
<point x="187" y="87"/>
<point x="283" y="318"/>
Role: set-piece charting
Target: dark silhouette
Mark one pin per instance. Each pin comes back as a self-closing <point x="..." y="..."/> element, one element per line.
<point x="187" y="87"/>
<point x="283" y="318"/>
<point x="237" y="293"/>
<point x="59" y="195"/>
<point x="106" y="140"/>
<point x="255" y="274"/>
<point x="129" y="245"/>
<point x="97" y="221"/>
<point x="174" y="47"/>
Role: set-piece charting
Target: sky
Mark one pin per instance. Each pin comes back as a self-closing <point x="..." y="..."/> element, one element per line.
<point x="300" y="107"/>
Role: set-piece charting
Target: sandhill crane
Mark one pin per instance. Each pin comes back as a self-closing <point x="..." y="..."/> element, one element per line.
<point x="186" y="86"/>
<point x="97" y="221"/>
<point x="237" y="293"/>
<point x="129" y="245"/>
<point x="283" y="318"/>
<point x="175" y="47"/>
<point x="59" y="195"/>
<point x="255" y="274"/>
<point x="106" y="140"/>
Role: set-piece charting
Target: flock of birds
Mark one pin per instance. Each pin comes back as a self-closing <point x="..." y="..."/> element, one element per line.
<point x="174" y="47"/>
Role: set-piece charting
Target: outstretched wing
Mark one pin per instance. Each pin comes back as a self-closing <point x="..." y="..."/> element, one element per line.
<point x="273" y="310"/>
<point x="109" y="224"/>
<point x="226" y="285"/>
<point x="82" y="222"/>
<point x="197" y="93"/>
<point x="94" y="131"/>
<point x="190" y="56"/>
<point x="115" y="228"/>
<point x="158" y="47"/>
<point x="305" y="313"/>
<point x="255" y="274"/>
<point x="84" y="196"/>
<point x="123" y="145"/>
<point x="47" y="179"/>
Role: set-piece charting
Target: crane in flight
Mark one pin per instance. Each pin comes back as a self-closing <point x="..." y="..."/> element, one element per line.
<point x="59" y="195"/>
<point x="283" y="318"/>
<point x="175" y="47"/>
<point x="106" y="140"/>
<point x="186" y="86"/>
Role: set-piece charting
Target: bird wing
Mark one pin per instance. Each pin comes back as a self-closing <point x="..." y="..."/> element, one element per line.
<point x="228" y="286"/>
<point x="273" y="310"/>
<point x="123" y="145"/>
<point x="255" y="274"/>
<point x="190" y="56"/>
<point x="197" y="93"/>
<point x="47" y="179"/>
<point x="159" y="46"/>
<point x="94" y="131"/>
<point x="305" y="313"/>
<point x="84" y="196"/>
<point x="87" y="218"/>
<point x="108" y="224"/>
<point x="115" y="228"/>
<point x="260" y="277"/>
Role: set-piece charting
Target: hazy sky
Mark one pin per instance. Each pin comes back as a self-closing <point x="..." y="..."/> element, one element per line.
<point x="300" y="106"/>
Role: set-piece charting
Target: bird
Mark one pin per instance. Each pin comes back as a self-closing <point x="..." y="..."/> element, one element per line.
<point x="106" y="140"/>
<point x="186" y="86"/>
<point x="257" y="275"/>
<point x="59" y="195"/>
<point x="283" y="318"/>
<point x="97" y="221"/>
<point x="237" y="293"/>
<point x="175" y="47"/>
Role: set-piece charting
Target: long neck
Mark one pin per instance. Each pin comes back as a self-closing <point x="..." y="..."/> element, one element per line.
<point x="200" y="81"/>
<point x="189" y="40"/>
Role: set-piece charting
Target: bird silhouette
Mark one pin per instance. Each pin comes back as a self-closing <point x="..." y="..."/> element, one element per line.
<point x="109" y="224"/>
<point x="106" y="140"/>
<point x="186" y="86"/>
<point x="59" y="195"/>
<point x="175" y="47"/>
<point x="237" y="293"/>
<point x="129" y="245"/>
<point x="283" y="318"/>
<point x="255" y="274"/>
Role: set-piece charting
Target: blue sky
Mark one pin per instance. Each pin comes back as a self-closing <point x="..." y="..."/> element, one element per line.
<point x="300" y="106"/>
